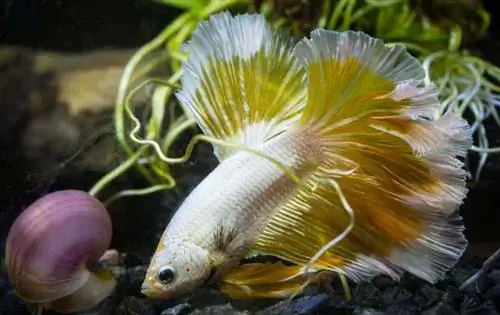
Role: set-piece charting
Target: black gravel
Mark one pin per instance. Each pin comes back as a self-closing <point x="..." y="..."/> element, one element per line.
<point x="380" y="296"/>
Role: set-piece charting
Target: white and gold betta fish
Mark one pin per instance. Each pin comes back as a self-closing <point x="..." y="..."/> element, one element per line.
<point x="351" y="172"/>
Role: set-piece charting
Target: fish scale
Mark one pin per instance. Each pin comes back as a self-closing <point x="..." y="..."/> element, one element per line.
<point x="243" y="191"/>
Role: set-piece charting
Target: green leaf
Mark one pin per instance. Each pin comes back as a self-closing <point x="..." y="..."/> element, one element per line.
<point x="184" y="4"/>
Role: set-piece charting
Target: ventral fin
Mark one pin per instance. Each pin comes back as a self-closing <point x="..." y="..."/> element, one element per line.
<point x="241" y="81"/>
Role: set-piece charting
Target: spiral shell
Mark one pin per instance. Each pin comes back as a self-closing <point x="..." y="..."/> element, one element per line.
<point x="51" y="242"/>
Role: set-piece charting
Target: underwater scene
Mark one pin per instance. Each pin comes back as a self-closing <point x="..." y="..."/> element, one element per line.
<point x="176" y="157"/>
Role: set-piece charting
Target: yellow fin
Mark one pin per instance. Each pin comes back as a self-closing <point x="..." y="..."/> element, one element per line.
<point x="241" y="81"/>
<point x="263" y="280"/>
<point x="353" y="76"/>
<point x="370" y="114"/>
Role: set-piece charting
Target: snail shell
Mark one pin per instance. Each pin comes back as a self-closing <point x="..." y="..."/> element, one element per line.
<point x="48" y="249"/>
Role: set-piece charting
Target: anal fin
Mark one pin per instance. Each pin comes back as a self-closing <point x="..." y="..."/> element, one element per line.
<point x="263" y="280"/>
<point x="388" y="237"/>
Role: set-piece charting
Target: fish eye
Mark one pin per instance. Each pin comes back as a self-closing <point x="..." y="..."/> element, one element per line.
<point x="166" y="274"/>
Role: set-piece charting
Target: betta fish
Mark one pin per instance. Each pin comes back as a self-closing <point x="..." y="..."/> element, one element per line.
<point x="336" y="161"/>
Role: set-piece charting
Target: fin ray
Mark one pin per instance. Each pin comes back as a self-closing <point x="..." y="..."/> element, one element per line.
<point x="368" y="110"/>
<point x="263" y="280"/>
<point x="241" y="81"/>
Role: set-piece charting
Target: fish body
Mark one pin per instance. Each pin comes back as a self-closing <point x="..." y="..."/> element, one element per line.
<point x="334" y="162"/>
<point x="248" y="187"/>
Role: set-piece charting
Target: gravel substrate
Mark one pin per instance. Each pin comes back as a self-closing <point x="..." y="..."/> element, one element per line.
<point x="381" y="296"/>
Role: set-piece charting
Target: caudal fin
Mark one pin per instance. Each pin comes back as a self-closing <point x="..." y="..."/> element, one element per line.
<point x="384" y="155"/>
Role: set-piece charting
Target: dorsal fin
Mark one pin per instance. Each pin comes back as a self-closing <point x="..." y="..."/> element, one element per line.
<point x="240" y="81"/>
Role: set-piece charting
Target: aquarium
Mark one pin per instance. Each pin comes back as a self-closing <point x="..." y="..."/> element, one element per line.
<point x="250" y="157"/>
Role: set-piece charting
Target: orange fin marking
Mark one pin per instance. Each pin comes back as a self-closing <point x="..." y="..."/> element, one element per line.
<point x="368" y="112"/>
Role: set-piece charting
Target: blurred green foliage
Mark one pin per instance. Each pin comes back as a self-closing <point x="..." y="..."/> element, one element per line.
<point x="438" y="32"/>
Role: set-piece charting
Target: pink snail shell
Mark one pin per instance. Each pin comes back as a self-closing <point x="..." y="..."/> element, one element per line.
<point x="48" y="249"/>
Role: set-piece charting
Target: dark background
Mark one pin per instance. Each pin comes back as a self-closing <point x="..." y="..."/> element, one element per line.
<point x="75" y="25"/>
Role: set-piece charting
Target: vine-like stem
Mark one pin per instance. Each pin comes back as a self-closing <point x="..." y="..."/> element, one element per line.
<point x="126" y="79"/>
<point x="138" y="192"/>
<point x="180" y="30"/>
<point x="104" y="181"/>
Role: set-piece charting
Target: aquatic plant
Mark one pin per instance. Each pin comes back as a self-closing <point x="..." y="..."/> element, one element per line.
<point x="468" y="85"/>
<point x="145" y="147"/>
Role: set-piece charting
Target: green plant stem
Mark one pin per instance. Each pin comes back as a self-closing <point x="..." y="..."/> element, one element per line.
<point x="129" y="71"/>
<point x="485" y="150"/>
<point x="122" y="168"/>
<point x="174" y="28"/>
<point x="325" y="13"/>
<point x="346" y="18"/>
<point x="174" y="133"/>
<point x="361" y="12"/>
<point x="337" y="12"/>
<point x="138" y="192"/>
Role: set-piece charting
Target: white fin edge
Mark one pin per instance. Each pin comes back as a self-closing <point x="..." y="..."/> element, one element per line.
<point x="392" y="62"/>
<point x="252" y="99"/>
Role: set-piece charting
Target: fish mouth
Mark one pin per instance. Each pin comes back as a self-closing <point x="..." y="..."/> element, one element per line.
<point x="151" y="292"/>
<point x="144" y="289"/>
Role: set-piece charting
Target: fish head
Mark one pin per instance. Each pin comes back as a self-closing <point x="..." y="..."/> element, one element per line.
<point x="176" y="268"/>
